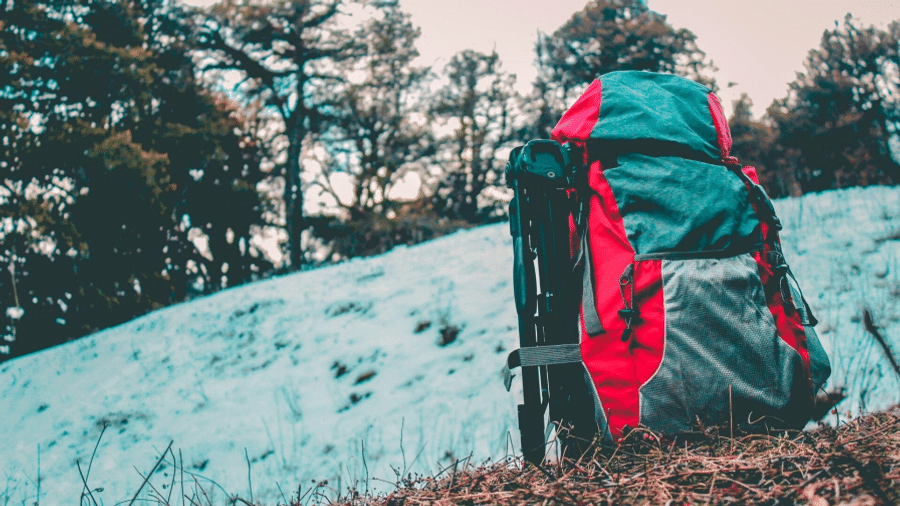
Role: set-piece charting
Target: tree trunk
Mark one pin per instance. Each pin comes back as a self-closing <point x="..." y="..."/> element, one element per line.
<point x="295" y="221"/>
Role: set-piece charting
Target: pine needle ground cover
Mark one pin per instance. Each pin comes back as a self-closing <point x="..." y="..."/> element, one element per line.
<point x="856" y="463"/>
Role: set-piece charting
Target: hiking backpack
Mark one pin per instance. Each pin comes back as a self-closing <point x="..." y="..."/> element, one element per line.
<point x="665" y="302"/>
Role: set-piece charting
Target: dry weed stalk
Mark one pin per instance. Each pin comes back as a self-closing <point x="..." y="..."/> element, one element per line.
<point x="870" y="327"/>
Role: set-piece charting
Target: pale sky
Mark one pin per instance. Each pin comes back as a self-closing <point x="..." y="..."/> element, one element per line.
<point x="758" y="44"/>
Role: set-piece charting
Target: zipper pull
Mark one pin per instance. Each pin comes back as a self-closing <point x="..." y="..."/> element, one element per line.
<point x="630" y="313"/>
<point x="780" y="271"/>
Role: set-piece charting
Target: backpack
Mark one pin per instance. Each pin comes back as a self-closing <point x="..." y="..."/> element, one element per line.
<point x="681" y="307"/>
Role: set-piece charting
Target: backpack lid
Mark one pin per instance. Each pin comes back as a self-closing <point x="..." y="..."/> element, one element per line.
<point x="648" y="112"/>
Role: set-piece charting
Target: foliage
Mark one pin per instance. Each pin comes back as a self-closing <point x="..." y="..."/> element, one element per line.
<point x="840" y="113"/>
<point x="376" y="141"/>
<point x="379" y="135"/>
<point x="479" y="105"/>
<point x="411" y="223"/>
<point x="117" y="164"/>
<point x="285" y="53"/>
<point x="754" y="143"/>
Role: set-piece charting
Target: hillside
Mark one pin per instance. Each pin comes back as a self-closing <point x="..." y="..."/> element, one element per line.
<point x="362" y="372"/>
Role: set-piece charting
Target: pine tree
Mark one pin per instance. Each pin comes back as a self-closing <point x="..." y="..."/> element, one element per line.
<point x="379" y="134"/>
<point x="842" y="110"/>
<point x="479" y="104"/>
<point x="379" y="139"/>
<point x="285" y="52"/>
<point x="754" y="143"/>
<point x="111" y="146"/>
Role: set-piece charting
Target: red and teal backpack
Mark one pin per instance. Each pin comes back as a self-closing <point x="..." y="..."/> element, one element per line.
<point x="689" y="312"/>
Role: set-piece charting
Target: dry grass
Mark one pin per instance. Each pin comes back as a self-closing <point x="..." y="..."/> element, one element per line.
<point x="857" y="463"/>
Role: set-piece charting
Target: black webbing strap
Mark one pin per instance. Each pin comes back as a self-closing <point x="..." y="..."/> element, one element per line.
<point x="760" y="200"/>
<point x="556" y="354"/>
<point x="588" y="306"/>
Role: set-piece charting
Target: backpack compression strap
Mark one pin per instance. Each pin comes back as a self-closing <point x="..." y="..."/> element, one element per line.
<point x="530" y="356"/>
<point x="766" y="211"/>
<point x="592" y="323"/>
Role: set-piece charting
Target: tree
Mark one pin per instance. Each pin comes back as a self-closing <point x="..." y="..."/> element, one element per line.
<point x="843" y="109"/>
<point x="380" y="138"/>
<point x="754" y="143"/>
<point x="609" y="35"/>
<point x="127" y="186"/>
<point x="380" y="134"/>
<point x="479" y="105"/>
<point x="285" y="52"/>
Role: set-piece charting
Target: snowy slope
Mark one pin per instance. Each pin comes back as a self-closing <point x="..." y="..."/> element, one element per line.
<point x="844" y="247"/>
<point x="341" y="374"/>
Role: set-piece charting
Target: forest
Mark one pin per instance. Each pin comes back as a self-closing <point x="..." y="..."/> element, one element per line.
<point x="151" y="152"/>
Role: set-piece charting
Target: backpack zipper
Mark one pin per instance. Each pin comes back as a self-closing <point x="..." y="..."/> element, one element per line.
<point x="630" y="313"/>
<point x="780" y="270"/>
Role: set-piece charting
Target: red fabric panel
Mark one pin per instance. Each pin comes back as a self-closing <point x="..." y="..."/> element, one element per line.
<point x="751" y="173"/>
<point x="790" y="328"/>
<point x="648" y="338"/>
<point x="577" y="123"/>
<point x="722" y="131"/>
<point x="620" y="368"/>
<point x="574" y="240"/>
<point x="610" y="250"/>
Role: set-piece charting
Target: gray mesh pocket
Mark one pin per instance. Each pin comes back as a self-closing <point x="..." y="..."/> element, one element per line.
<point x="719" y="334"/>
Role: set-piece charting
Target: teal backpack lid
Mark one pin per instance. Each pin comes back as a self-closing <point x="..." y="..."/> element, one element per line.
<point x="648" y="112"/>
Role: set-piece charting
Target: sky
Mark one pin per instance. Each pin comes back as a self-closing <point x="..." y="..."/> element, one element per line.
<point x="342" y="373"/>
<point x="758" y="44"/>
